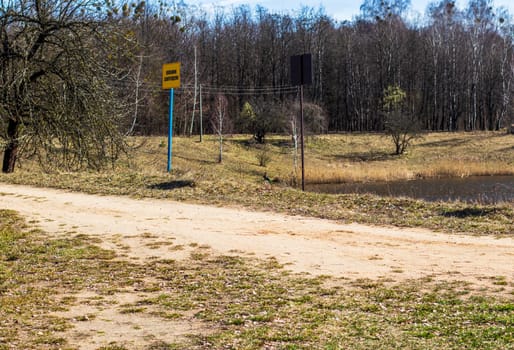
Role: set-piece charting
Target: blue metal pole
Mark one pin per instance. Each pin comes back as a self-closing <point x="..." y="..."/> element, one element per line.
<point x="170" y="129"/>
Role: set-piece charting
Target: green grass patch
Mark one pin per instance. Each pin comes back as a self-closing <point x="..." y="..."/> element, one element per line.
<point x="244" y="303"/>
<point x="34" y="271"/>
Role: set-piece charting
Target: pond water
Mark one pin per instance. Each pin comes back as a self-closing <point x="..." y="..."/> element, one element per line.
<point x="480" y="189"/>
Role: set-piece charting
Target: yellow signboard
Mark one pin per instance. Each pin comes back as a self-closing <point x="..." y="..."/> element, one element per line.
<point x="171" y="75"/>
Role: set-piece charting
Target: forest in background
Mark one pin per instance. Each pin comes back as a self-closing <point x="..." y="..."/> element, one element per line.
<point x="456" y="66"/>
<point x="77" y="76"/>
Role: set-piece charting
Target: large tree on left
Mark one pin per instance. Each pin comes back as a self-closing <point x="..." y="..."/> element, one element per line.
<point x="56" y="102"/>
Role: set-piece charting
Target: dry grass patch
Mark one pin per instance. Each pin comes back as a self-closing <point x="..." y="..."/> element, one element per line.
<point x="363" y="158"/>
<point x="197" y="177"/>
<point x="59" y="293"/>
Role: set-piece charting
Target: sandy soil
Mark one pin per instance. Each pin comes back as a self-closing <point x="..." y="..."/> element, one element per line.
<point x="306" y="244"/>
<point x="309" y="245"/>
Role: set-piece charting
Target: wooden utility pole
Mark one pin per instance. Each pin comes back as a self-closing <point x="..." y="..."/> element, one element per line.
<point x="201" y="115"/>
<point x="194" y="99"/>
<point x="301" y="138"/>
<point x="301" y="74"/>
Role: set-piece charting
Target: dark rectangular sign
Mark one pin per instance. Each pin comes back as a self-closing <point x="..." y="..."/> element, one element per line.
<point x="301" y="69"/>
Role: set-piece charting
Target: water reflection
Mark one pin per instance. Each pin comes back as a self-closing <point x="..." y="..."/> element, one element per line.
<point x="480" y="189"/>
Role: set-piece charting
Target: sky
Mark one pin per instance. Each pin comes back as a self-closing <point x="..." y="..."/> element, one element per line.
<point x="339" y="10"/>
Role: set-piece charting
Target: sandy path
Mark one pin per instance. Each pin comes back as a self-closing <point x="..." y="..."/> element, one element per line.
<point x="307" y="245"/>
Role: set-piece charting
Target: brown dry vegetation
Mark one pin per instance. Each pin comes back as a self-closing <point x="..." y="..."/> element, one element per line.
<point x="50" y="288"/>
<point x="197" y="177"/>
<point x="368" y="157"/>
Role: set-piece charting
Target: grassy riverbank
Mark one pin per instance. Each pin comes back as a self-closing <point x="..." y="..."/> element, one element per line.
<point x="51" y="287"/>
<point x="362" y="158"/>
<point x="238" y="180"/>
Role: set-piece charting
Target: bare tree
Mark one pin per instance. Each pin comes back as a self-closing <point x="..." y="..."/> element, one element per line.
<point x="137" y="83"/>
<point x="479" y="22"/>
<point x="219" y="121"/>
<point x="442" y="45"/>
<point x="56" y="98"/>
<point x="294" y="130"/>
<point x="506" y="67"/>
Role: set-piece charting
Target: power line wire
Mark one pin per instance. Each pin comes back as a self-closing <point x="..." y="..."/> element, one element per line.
<point x="213" y="89"/>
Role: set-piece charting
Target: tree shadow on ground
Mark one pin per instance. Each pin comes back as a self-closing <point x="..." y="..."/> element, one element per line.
<point x="172" y="185"/>
<point x="250" y="142"/>
<point x="506" y="149"/>
<point x="205" y="161"/>
<point x="282" y="143"/>
<point x="246" y="143"/>
<point x="443" y="143"/>
<point x="367" y="156"/>
<point x="259" y="173"/>
<point x="469" y="212"/>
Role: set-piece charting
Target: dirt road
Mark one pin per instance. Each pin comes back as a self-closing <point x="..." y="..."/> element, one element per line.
<point x="305" y="244"/>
